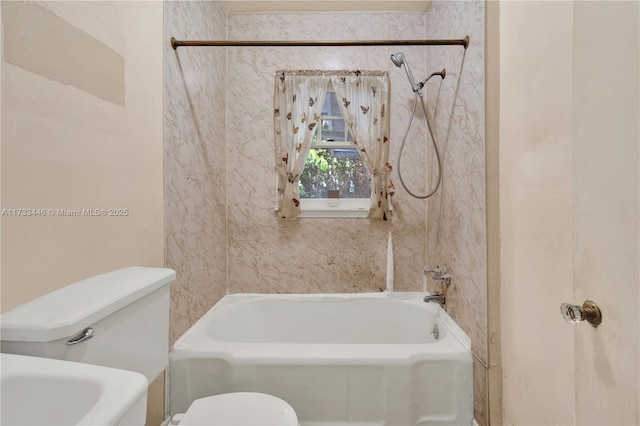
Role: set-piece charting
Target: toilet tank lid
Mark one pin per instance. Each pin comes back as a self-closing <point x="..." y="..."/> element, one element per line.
<point x="67" y="311"/>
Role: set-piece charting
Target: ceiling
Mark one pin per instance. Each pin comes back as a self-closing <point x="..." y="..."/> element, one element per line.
<point x="233" y="6"/>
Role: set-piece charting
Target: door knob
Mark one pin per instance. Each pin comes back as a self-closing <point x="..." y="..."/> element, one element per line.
<point x="589" y="311"/>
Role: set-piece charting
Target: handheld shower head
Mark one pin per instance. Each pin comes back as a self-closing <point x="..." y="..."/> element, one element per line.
<point x="398" y="59"/>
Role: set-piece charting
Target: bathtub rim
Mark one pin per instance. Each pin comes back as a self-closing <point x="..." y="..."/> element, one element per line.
<point x="455" y="346"/>
<point x="457" y="337"/>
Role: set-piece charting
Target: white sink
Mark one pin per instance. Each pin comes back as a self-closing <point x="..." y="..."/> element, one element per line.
<point x="42" y="391"/>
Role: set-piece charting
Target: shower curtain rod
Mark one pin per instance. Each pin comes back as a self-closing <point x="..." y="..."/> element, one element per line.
<point x="264" y="43"/>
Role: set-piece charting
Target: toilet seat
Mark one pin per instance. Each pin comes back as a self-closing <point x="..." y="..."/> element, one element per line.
<point x="240" y="409"/>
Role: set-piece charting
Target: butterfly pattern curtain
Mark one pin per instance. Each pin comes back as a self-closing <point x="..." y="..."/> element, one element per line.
<point x="364" y="105"/>
<point x="298" y="102"/>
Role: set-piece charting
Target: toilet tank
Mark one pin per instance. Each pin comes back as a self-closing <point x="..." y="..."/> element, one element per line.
<point x="119" y="319"/>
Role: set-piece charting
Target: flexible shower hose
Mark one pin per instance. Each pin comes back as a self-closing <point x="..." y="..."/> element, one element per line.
<point x="435" y="147"/>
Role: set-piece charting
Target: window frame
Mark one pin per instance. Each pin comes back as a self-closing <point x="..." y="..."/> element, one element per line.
<point x="334" y="207"/>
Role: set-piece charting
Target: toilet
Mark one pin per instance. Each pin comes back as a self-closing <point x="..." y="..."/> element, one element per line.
<point x="239" y="408"/>
<point x="121" y="320"/>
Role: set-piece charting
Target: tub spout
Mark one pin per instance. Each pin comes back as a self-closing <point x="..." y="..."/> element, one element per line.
<point x="438" y="298"/>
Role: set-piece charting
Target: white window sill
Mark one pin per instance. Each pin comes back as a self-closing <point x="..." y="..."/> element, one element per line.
<point x="334" y="207"/>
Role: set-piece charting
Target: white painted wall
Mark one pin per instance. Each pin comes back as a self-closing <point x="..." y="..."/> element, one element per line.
<point x="65" y="148"/>
<point x="536" y="210"/>
<point x="569" y="138"/>
<point x="606" y="206"/>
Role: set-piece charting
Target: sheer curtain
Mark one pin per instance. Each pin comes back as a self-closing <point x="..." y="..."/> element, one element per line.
<point x="299" y="97"/>
<point x="364" y="105"/>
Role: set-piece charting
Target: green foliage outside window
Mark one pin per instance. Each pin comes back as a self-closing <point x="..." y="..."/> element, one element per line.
<point x="334" y="169"/>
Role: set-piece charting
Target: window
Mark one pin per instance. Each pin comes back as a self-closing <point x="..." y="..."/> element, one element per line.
<point x="335" y="181"/>
<point x="314" y="113"/>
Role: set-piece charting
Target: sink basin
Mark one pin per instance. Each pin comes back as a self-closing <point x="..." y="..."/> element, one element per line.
<point x="42" y="391"/>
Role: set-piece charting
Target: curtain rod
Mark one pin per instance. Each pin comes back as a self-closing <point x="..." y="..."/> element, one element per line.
<point x="264" y="43"/>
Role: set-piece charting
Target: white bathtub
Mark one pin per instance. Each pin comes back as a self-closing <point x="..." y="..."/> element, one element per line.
<point x="344" y="359"/>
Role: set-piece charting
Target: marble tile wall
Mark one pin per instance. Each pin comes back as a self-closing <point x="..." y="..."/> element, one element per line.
<point x="195" y="180"/>
<point x="222" y="231"/>
<point x="312" y="255"/>
<point x="456" y="225"/>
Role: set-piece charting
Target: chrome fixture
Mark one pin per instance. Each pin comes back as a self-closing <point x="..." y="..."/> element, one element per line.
<point x="85" y="334"/>
<point x="438" y="298"/>
<point x="442" y="74"/>
<point x="399" y="59"/>
<point x="438" y="275"/>
<point x="574" y="314"/>
<point x="445" y="278"/>
<point x="436" y="270"/>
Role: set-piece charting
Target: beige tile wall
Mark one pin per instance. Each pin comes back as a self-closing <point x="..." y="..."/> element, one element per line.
<point x="267" y="254"/>
<point x="456" y="226"/>
<point x="195" y="162"/>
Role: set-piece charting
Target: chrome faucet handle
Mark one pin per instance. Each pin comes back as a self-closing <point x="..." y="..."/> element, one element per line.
<point x="438" y="275"/>
<point x="437" y="270"/>
<point x="445" y="278"/>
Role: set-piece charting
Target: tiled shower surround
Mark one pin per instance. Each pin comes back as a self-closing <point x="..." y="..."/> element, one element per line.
<point x="222" y="232"/>
<point x="268" y="254"/>
<point x="195" y="178"/>
<point x="456" y="222"/>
